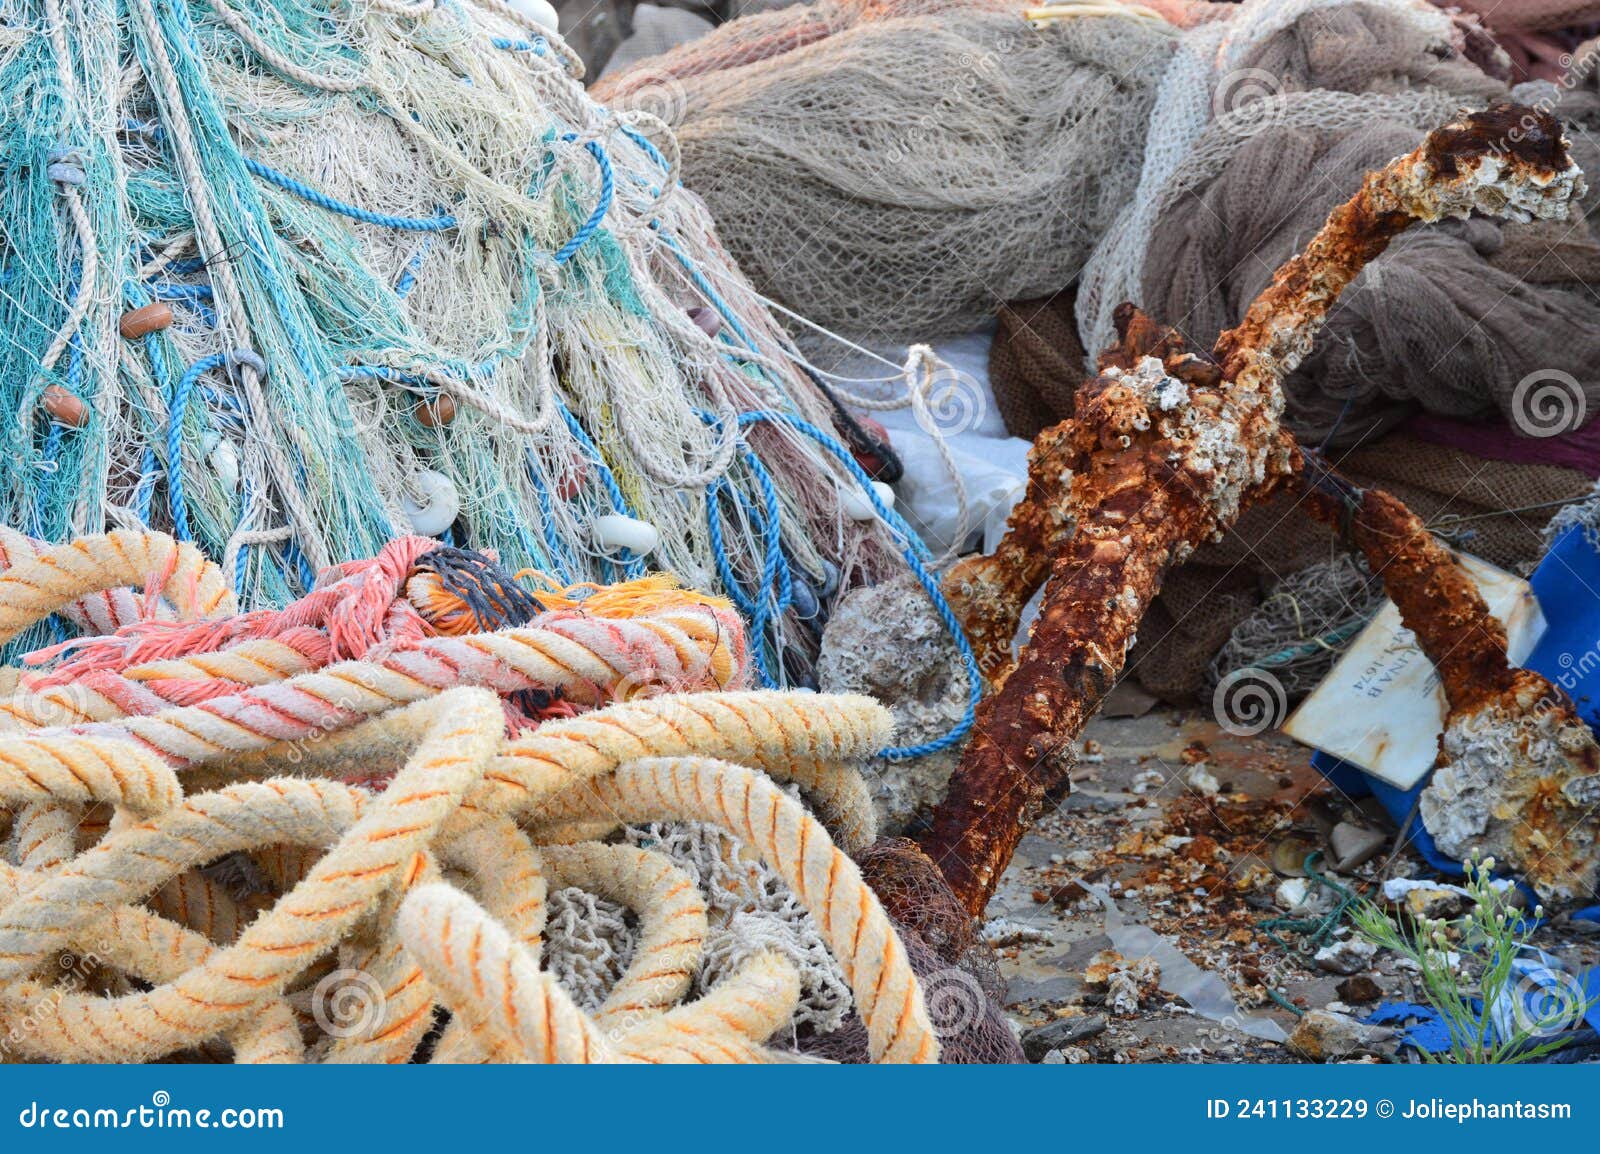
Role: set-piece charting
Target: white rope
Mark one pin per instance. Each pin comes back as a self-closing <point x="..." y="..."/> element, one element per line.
<point x="277" y="61"/>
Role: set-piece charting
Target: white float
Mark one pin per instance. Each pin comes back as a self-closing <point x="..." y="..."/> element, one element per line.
<point x="430" y="502"/>
<point x="538" y="11"/>
<point x="858" y="506"/>
<point x="614" y="531"/>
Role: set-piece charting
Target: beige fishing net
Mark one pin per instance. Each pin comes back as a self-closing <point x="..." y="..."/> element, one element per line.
<point x="898" y="170"/>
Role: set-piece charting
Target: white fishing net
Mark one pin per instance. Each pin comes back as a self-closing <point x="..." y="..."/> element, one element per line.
<point x="589" y="940"/>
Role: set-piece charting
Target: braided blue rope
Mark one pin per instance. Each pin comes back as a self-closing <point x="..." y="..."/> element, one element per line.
<point x="408" y="275"/>
<point x="149" y="470"/>
<point x="632" y="566"/>
<point x="560" y="556"/>
<point x="168" y="291"/>
<point x="914" y="553"/>
<point x="776" y="576"/>
<point x="241" y="560"/>
<point x="177" y="410"/>
<point x="186" y="267"/>
<point x="385" y="373"/>
<point x="538" y="45"/>
<point x="194" y="295"/>
<point x="607" y="190"/>
<point x="441" y="223"/>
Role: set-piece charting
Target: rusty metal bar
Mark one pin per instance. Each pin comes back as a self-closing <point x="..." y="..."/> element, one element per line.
<point x="1164" y="451"/>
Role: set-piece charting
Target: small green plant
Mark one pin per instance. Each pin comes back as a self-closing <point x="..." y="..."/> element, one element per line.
<point x="1472" y="981"/>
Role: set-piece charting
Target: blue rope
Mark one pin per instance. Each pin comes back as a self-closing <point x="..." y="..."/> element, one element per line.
<point x="177" y="410"/>
<point x="775" y="570"/>
<point x="194" y="295"/>
<point x="241" y="561"/>
<point x="632" y="566"/>
<point x="408" y="275"/>
<point x="915" y="554"/>
<point x="144" y="491"/>
<point x="182" y="292"/>
<point x="560" y="556"/>
<point x="538" y="45"/>
<point x="186" y="267"/>
<point x="607" y="190"/>
<point x="441" y="223"/>
<point x="384" y="373"/>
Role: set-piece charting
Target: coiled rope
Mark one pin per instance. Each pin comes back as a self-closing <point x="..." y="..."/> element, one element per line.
<point x="426" y="885"/>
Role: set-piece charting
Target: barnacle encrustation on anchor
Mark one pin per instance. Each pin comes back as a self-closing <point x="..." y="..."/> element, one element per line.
<point x="1164" y="451"/>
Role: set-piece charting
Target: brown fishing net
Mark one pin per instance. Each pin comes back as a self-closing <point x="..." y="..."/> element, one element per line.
<point x="961" y="982"/>
<point x="1036" y="363"/>
<point x="1495" y="510"/>
<point x="1449" y="323"/>
<point x="1536" y="37"/>
<point x="1433" y="324"/>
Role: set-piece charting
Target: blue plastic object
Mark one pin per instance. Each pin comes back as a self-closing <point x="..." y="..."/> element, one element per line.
<point x="1567" y="587"/>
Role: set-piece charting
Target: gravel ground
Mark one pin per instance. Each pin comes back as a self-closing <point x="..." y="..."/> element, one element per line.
<point x="1177" y="821"/>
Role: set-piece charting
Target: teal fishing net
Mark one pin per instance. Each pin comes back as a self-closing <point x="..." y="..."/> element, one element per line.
<point x="288" y="279"/>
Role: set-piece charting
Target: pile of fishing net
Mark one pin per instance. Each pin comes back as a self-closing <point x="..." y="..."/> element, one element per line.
<point x="896" y="169"/>
<point x="1530" y="38"/>
<point x="1449" y="319"/>
<point x="429" y="812"/>
<point x="289" y="279"/>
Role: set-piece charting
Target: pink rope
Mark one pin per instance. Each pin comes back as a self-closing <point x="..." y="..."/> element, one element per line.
<point x="283" y="711"/>
<point x="355" y="606"/>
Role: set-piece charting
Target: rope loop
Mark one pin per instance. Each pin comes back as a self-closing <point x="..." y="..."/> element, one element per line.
<point x="607" y="191"/>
